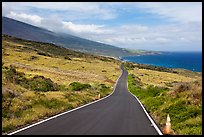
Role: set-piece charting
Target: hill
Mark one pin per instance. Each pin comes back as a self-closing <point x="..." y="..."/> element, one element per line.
<point x="26" y="31"/>
<point x="40" y="80"/>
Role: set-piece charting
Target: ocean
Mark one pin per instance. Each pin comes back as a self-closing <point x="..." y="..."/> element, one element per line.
<point x="186" y="60"/>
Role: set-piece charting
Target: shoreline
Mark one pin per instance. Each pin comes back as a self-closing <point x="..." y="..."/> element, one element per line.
<point x="161" y="66"/>
<point x="155" y="64"/>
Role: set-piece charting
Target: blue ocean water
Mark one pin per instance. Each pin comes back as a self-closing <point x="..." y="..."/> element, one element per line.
<point x="186" y="60"/>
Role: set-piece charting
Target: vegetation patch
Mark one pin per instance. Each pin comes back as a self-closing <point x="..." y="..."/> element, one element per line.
<point x="77" y="86"/>
<point x="44" y="54"/>
<point x="32" y="58"/>
<point x="37" y="83"/>
<point x="103" y="88"/>
<point x="183" y="103"/>
<point x="131" y="66"/>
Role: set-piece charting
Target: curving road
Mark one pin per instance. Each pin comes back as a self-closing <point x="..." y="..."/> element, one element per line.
<point x="118" y="114"/>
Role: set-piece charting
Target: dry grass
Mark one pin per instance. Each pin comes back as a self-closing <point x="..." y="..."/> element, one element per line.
<point x="163" y="79"/>
<point x="61" y="71"/>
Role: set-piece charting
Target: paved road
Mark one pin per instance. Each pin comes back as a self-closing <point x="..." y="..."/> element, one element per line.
<point x="119" y="114"/>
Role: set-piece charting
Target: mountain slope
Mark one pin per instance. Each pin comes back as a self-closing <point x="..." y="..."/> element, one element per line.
<point x="22" y="30"/>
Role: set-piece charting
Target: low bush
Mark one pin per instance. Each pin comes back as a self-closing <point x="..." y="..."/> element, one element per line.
<point x="129" y="66"/>
<point x="77" y="86"/>
<point x="182" y="87"/>
<point x="37" y="83"/>
<point x="40" y="83"/>
<point x="103" y="87"/>
<point x="48" y="103"/>
<point x="44" y="54"/>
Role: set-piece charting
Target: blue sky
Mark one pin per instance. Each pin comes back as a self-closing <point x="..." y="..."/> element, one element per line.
<point x="161" y="26"/>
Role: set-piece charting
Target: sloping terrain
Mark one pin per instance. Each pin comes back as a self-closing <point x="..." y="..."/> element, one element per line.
<point x="43" y="79"/>
<point x="26" y="31"/>
<point x="166" y="91"/>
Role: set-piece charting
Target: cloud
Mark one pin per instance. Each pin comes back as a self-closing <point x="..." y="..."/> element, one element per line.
<point x="162" y="40"/>
<point x="52" y="23"/>
<point x="182" y="31"/>
<point x="32" y="19"/>
<point x="85" y="28"/>
<point x="5" y="9"/>
<point x="166" y="37"/>
<point x="136" y="28"/>
<point x="175" y="11"/>
<point x="81" y="10"/>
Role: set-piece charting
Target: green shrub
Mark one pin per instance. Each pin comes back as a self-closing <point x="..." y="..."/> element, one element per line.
<point x="77" y="86"/>
<point x="40" y="83"/>
<point x="53" y="103"/>
<point x="153" y="91"/>
<point x="44" y="54"/>
<point x="10" y="73"/>
<point x="103" y="87"/>
<point x="37" y="83"/>
<point x="129" y="66"/>
<point x="62" y="88"/>
<point x="152" y="103"/>
<point x="13" y="76"/>
<point x="136" y="81"/>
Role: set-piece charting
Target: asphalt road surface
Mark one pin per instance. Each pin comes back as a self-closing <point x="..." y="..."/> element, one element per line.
<point x="118" y="114"/>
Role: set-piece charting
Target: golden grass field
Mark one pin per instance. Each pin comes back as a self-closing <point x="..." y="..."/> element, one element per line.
<point x="156" y="78"/>
<point x="29" y="106"/>
<point x="59" y="69"/>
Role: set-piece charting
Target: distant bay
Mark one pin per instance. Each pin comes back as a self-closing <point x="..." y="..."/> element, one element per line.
<point x="186" y="60"/>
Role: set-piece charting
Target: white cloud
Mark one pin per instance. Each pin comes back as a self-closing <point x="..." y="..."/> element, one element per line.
<point x="81" y="10"/>
<point x="183" y="30"/>
<point x="162" y="40"/>
<point x="52" y="23"/>
<point x="85" y="28"/>
<point x="32" y="19"/>
<point x="176" y="11"/>
<point x="166" y="37"/>
<point x="135" y="27"/>
<point x="5" y="9"/>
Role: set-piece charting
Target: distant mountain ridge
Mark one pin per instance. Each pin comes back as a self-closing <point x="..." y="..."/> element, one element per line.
<point x="29" y="32"/>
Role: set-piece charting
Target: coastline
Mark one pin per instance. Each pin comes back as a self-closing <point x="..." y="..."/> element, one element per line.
<point x="164" y="61"/>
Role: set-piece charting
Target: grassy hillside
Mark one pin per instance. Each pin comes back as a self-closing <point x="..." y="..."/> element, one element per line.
<point x="44" y="79"/>
<point x="167" y="91"/>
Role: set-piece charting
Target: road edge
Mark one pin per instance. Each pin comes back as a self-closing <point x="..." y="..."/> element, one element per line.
<point x="68" y="110"/>
<point x="149" y="117"/>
